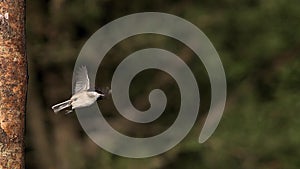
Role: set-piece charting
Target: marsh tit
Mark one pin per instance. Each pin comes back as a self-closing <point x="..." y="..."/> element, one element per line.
<point x="83" y="96"/>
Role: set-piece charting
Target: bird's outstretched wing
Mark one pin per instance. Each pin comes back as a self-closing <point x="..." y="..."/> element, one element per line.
<point x="82" y="81"/>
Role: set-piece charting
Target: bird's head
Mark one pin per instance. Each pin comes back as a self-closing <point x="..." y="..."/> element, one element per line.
<point x="101" y="96"/>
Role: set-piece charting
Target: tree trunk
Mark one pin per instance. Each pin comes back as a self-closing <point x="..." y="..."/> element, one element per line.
<point x="13" y="83"/>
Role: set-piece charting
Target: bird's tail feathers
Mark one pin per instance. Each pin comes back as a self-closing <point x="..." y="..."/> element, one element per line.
<point x="60" y="106"/>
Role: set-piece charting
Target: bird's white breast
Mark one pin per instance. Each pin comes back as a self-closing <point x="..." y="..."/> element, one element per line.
<point x="83" y="99"/>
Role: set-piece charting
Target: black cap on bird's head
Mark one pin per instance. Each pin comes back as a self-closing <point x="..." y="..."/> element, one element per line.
<point x="104" y="93"/>
<point x="100" y="92"/>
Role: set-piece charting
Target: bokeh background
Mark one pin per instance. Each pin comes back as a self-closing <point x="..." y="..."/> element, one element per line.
<point x="258" y="43"/>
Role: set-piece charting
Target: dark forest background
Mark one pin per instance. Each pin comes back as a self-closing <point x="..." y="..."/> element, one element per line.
<point x="258" y="43"/>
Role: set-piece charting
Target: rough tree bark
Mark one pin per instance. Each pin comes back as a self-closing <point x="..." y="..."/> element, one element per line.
<point x="13" y="83"/>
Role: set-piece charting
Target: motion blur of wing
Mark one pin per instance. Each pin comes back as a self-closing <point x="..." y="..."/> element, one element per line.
<point x="82" y="81"/>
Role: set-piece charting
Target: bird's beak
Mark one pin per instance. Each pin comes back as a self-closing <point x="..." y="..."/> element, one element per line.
<point x="101" y="97"/>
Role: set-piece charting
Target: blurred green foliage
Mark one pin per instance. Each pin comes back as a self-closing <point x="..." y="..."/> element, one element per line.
<point x="258" y="43"/>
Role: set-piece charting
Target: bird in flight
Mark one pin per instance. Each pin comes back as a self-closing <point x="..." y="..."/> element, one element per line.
<point x="83" y="96"/>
